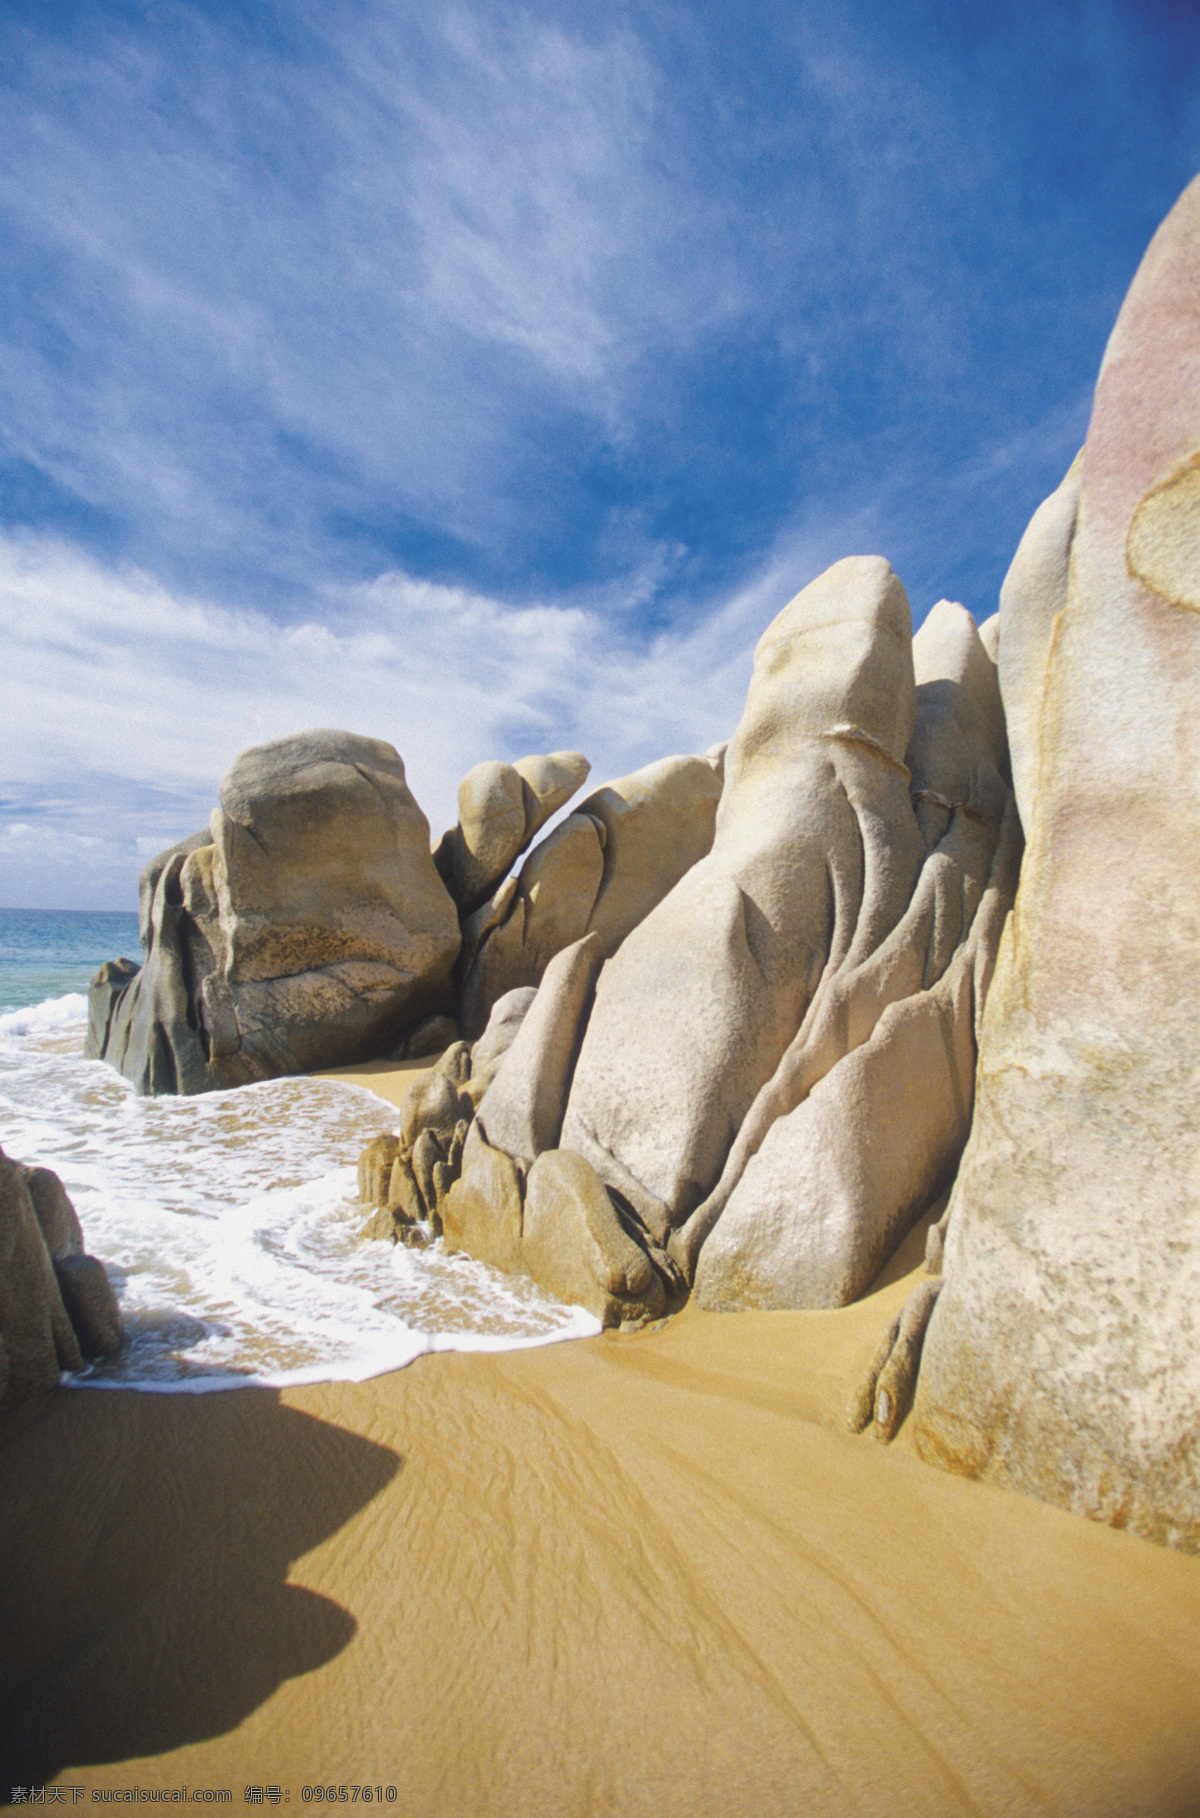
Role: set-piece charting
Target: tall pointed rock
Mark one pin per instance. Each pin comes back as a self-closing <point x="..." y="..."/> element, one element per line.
<point x="1063" y="1358"/>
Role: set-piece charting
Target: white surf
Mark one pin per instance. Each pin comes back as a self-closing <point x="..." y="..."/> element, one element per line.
<point x="230" y="1228"/>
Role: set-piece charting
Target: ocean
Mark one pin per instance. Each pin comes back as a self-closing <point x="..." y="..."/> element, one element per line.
<point x="229" y="1223"/>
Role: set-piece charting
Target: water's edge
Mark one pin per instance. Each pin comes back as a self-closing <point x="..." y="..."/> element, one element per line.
<point x="230" y="1228"/>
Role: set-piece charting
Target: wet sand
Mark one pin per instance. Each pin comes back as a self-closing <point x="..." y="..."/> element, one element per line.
<point x="391" y="1080"/>
<point x="632" y="1574"/>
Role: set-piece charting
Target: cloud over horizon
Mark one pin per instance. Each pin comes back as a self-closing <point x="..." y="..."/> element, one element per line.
<point x="484" y="379"/>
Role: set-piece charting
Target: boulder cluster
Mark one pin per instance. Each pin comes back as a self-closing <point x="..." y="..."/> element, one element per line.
<point x="757" y="1077"/>
<point x="736" y="1022"/>
<point x="311" y="926"/>
<point x="57" y="1307"/>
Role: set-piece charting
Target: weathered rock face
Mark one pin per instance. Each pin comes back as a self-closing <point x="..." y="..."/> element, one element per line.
<point x="699" y="1004"/>
<point x="776" y="1075"/>
<point x="601" y="871"/>
<point x="475" y="1160"/>
<point x="522" y="1110"/>
<point x="1062" y="1356"/>
<point x="867" y="1112"/>
<point x="501" y="807"/>
<point x="312" y="930"/>
<point x="57" y="1308"/>
<point x="104" y="994"/>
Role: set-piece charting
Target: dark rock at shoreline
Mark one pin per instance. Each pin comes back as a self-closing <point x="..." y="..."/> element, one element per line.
<point x="91" y="1305"/>
<point x="57" y="1306"/>
<point x="104" y="994"/>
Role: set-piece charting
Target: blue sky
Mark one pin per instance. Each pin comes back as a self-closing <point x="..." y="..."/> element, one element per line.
<point x="484" y="377"/>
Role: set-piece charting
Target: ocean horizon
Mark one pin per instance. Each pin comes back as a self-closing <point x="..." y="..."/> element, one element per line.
<point x="48" y="953"/>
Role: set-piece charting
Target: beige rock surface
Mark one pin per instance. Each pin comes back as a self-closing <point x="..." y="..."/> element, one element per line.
<point x="489" y="834"/>
<point x="839" y="1180"/>
<point x="57" y="1306"/>
<point x="482" y="1214"/>
<point x="550" y="782"/>
<point x="1033" y="595"/>
<point x="508" y="1013"/>
<point x="657" y="824"/>
<point x="576" y="1249"/>
<point x="599" y="871"/>
<point x="814" y="859"/>
<point x="548" y="910"/>
<point x="868" y="1109"/>
<point x="1061" y="1358"/>
<point x="312" y="930"/>
<point x="321" y="857"/>
<point x="501" y="807"/>
<point x="37" y="1340"/>
<point x="522" y="1110"/>
<point x="989" y="636"/>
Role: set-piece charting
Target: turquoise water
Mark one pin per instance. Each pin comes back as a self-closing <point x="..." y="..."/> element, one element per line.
<point x="47" y="953"/>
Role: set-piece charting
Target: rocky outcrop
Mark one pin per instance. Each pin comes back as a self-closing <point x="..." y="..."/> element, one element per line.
<point x="57" y="1307"/>
<point x="864" y="1118"/>
<point x="311" y="927"/>
<point x="1061" y="1356"/>
<point x="311" y="930"/>
<point x="777" y="1074"/>
<point x="600" y="871"/>
<point x="697" y="1008"/>
<point x="767" y="1078"/>
<point x="475" y="1160"/>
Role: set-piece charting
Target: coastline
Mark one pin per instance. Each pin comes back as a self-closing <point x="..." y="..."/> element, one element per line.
<point x="636" y="1573"/>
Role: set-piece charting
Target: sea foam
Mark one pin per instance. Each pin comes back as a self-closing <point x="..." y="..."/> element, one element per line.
<point x="56" y="1015"/>
<point x="229" y="1225"/>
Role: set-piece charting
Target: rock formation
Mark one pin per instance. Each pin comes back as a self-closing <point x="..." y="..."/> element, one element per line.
<point x="763" y="1057"/>
<point x="311" y="928"/>
<point x="720" y="1029"/>
<point x="866" y="1114"/>
<point x="500" y="809"/>
<point x="1061" y="1356"/>
<point x="600" y="871"/>
<point x="57" y="1308"/>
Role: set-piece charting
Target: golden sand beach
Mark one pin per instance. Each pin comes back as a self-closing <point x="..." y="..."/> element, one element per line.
<point x="648" y="1573"/>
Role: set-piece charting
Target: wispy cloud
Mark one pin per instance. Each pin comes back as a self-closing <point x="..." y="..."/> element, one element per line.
<point x="501" y="297"/>
<point x="484" y="375"/>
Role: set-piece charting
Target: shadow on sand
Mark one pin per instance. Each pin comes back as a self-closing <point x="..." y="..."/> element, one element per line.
<point x="146" y="1542"/>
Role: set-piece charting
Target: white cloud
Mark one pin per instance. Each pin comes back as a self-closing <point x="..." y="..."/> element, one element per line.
<point x="478" y="280"/>
<point x="126" y="703"/>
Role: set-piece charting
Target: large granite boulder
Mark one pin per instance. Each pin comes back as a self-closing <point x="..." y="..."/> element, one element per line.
<point x="1061" y="1358"/>
<point x="312" y="929"/>
<point x="813" y="862"/>
<point x="863" y="1121"/>
<point x="501" y="807"/>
